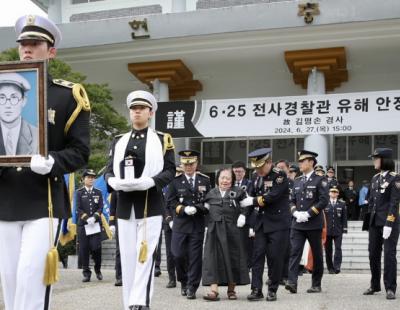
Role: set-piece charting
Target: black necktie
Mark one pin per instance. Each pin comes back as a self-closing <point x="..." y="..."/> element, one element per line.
<point x="237" y="183"/>
<point x="191" y="182"/>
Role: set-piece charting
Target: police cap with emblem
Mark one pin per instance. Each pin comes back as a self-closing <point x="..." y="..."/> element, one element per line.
<point x="259" y="157"/>
<point x="15" y="79"/>
<point x="294" y="168"/>
<point x="334" y="189"/>
<point x="382" y="153"/>
<point x="141" y="98"/>
<point x="319" y="168"/>
<point x="303" y="154"/>
<point x="89" y="172"/>
<point x="330" y="169"/>
<point x="35" y="27"/>
<point x="189" y="156"/>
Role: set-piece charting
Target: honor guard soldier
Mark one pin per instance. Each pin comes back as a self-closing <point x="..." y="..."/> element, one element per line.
<point x="141" y="163"/>
<point x="309" y="198"/>
<point x="89" y="204"/>
<point x="185" y="196"/>
<point x="26" y="224"/>
<point x="383" y="205"/>
<point x="336" y="222"/>
<point x="269" y="197"/>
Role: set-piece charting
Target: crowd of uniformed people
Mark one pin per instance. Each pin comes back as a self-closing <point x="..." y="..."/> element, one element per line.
<point x="216" y="234"/>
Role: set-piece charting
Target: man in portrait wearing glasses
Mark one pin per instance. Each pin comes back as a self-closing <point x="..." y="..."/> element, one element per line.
<point x="18" y="137"/>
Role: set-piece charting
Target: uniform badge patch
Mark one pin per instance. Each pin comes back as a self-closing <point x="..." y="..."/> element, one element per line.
<point x="51" y="116"/>
<point x="324" y="183"/>
<point x="397" y="185"/>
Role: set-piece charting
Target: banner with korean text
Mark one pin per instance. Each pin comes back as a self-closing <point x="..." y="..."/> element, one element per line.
<point x="349" y="113"/>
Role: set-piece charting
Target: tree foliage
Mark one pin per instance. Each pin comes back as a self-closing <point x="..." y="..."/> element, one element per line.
<point x="105" y="122"/>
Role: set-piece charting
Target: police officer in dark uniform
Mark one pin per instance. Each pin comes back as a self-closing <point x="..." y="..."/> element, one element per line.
<point x="270" y="196"/>
<point x="114" y="230"/>
<point x="89" y="204"/>
<point x="319" y="170"/>
<point x="185" y="196"/>
<point x="383" y="205"/>
<point x="24" y="190"/>
<point x="336" y="222"/>
<point x="309" y="198"/>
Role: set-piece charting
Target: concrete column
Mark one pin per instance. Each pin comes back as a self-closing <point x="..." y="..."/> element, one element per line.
<point x="161" y="92"/>
<point x="317" y="143"/>
<point x="178" y="6"/>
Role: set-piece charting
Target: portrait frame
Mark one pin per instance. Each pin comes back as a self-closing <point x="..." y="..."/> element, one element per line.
<point x="31" y="138"/>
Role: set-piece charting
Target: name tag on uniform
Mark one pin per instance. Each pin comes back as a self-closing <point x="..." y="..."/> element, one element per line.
<point x="311" y="186"/>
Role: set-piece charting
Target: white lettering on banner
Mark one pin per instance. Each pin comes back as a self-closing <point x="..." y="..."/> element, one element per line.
<point x="369" y="112"/>
<point x="176" y="120"/>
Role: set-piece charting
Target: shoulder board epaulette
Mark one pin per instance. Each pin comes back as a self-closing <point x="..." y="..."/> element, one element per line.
<point x="118" y="136"/>
<point x="168" y="142"/>
<point x="178" y="174"/>
<point x="82" y="103"/>
<point x="376" y="175"/>
<point x="393" y="174"/>
<point x="204" y="175"/>
<point x="64" y="83"/>
<point x="299" y="177"/>
<point x="81" y="188"/>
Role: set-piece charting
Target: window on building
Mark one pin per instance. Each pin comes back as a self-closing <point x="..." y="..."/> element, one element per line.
<point x="390" y="141"/>
<point x="283" y="149"/>
<point x="213" y="152"/>
<point x="340" y="148"/>
<point x="235" y="150"/>
<point x="359" y="147"/>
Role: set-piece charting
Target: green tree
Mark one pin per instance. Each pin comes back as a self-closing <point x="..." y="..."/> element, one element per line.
<point x="105" y="122"/>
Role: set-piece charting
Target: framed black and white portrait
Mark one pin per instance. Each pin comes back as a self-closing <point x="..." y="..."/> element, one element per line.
<point x="23" y="114"/>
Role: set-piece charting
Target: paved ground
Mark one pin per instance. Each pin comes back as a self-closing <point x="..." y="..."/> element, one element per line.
<point x="341" y="292"/>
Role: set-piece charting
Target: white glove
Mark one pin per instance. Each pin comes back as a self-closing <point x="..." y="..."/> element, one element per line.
<point x="144" y="183"/>
<point x="91" y="220"/>
<point x="241" y="221"/>
<point x="386" y="232"/>
<point x="252" y="233"/>
<point x="207" y="205"/>
<point x="112" y="229"/>
<point x="115" y="183"/>
<point x="302" y="217"/>
<point x="171" y="224"/>
<point x="41" y="165"/>
<point x="189" y="210"/>
<point x="296" y="214"/>
<point x="248" y="201"/>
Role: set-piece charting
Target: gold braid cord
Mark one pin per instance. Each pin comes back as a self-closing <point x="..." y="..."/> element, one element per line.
<point x="168" y="142"/>
<point x="82" y="103"/>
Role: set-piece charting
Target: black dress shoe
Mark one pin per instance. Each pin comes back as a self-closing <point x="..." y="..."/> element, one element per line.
<point x="370" y="291"/>
<point x="292" y="288"/>
<point x="184" y="290"/>
<point x="190" y="294"/>
<point x="337" y="271"/>
<point x="157" y="272"/>
<point x="171" y="284"/>
<point x="271" y="296"/>
<point x="331" y="271"/>
<point x="256" y="294"/>
<point x="283" y="282"/>
<point x="99" y="276"/>
<point x="314" y="289"/>
<point x="86" y="279"/>
<point x="390" y="295"/>
<point x="118" y="282"/>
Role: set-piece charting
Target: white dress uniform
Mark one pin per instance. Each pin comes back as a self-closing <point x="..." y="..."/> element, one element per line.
<point x="151" y="155"/>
